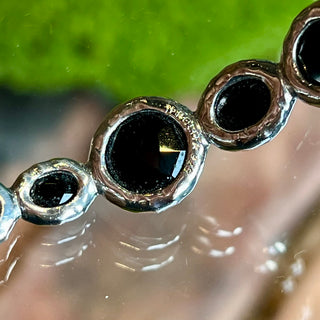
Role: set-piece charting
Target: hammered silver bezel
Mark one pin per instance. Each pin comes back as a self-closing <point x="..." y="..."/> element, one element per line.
<point x="69" y="211"/>
<point x="185" y="181"/>
<point x="282" y="101"/>
<point x="288" y="63"/>
<point x="10" y="212"/>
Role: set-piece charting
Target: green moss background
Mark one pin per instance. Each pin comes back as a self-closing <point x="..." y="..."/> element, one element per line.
<point x="137" y="47"/>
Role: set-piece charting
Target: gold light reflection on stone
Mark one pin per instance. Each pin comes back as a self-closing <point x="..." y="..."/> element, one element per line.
<point x="167" y="149"/>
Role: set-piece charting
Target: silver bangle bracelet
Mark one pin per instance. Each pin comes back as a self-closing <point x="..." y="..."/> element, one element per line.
<point x="148" y="153"/>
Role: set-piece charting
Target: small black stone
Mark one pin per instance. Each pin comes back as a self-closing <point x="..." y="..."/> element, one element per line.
<point x="146" y="152"/>
<point x="242" y="103"/>
<point x="55" y="189"/>
<point x="308" y="53"/>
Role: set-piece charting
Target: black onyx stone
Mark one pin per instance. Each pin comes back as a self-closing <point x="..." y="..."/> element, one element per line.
<point x="242" y="103"/>
<point x="308" y="53"/>
<point x="55" y="189"/>
<point x="146" y="152"/>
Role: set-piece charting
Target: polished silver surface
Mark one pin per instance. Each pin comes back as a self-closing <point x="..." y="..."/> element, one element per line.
<point x="305" y="90"/>
<point x="186" y="179"/>
<point x="284" y="82"/>
<point x="9" y="212"/>
<point x="282" y="101"/>
<point x="69" y="211"/>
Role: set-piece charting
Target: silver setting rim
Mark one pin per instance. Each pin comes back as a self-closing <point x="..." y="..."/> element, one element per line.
<point x="69" y="211"/>
<point x="10" y="212"/>
<point x="184" y="183"/>
<point x="282" y="101"/>
<point x="288" y="64"/>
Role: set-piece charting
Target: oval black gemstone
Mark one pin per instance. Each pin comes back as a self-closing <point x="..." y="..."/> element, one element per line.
<point x="308" y="53"/>
<point x="242" y="103"/>
<point x="146" y="152"/>
<point x="54" y="189"/>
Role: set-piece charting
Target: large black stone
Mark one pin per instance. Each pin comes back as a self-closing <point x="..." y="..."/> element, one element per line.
<point x="146" y="152"/>
<point x="242" y="103"/>
<point x="308" y="53"/>
<point x="54" y="189"/>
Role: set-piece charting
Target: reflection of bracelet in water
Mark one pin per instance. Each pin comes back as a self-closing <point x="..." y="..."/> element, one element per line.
<point x="148" y="153"/>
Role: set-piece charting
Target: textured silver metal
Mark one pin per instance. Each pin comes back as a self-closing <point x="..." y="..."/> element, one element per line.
<point x="288" y="64"/>
<point x="284" y="82"/>
<point x="185" y="181"/>
<point x="31" y="212"/>
<point x="282" y="101"/>
<point x="9" y="212"/>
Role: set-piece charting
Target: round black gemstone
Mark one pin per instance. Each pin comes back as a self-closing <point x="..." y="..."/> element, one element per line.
<point x="242" y="103"/>
<point x="146" y="152"/>
<point x="54" y="189"/>
<point x="308" y="53"/>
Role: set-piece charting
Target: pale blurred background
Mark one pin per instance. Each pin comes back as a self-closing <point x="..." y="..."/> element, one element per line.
<point x="243" y="245"/>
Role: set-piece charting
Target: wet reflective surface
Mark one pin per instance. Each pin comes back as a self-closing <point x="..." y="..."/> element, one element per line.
<point x="243" y="245"/>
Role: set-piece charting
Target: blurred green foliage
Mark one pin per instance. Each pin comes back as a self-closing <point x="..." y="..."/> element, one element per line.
<point x="137" y="47"/>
